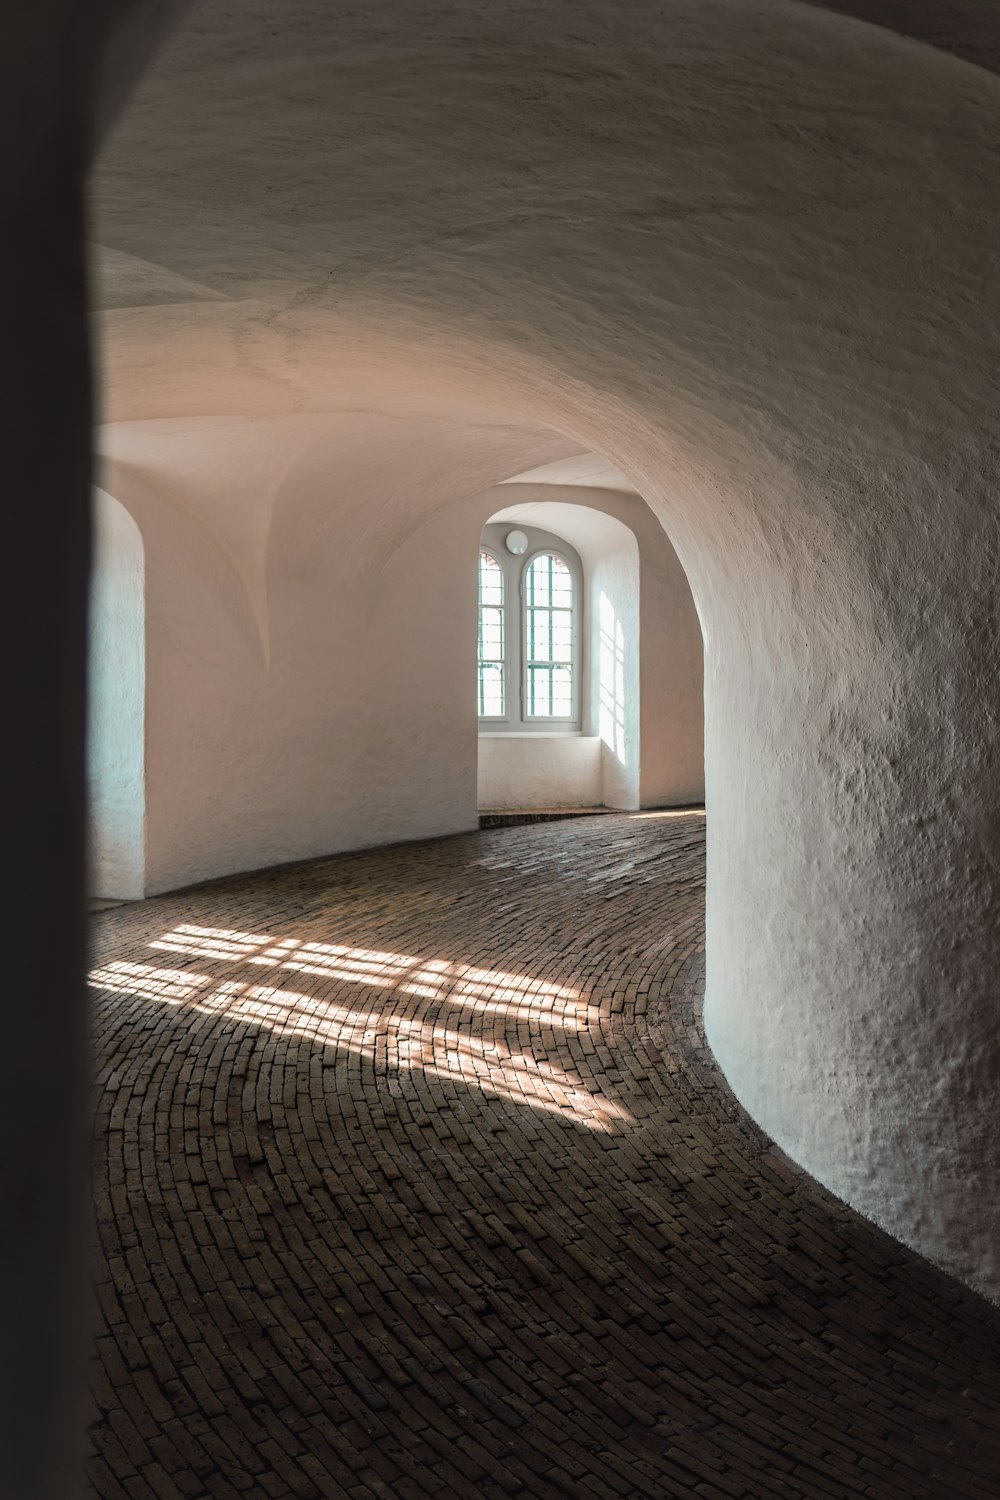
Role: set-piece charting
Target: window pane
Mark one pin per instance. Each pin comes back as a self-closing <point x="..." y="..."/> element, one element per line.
<point x="538" y="694"/>
<point x="562" y="692"/>
<point x="490" y="580"/>
<point x="491" y="693"/>
<point x="539" y="581"/>
<point x="491" y="634"/>
<point x="491" y="684"/>
<point x="548" y="627"/>
<point x="562" y="584"/>
<point x="539" y="642"/>
<point x="562" y="636"/>
<point x="549" y="693"/>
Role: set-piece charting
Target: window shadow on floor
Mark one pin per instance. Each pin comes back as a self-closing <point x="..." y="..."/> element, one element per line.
<point x="414" y="1176"/>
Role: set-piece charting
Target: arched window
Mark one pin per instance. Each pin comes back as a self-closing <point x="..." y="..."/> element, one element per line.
<point x="530" y="607"/>
<point x="548" y="638"/>
<point x="492" y="661"/>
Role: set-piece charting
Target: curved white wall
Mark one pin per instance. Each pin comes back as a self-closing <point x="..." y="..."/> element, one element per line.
<point x="311" y="636"/>
<point x="116" y="704"/>
<point x="745" y="250"/>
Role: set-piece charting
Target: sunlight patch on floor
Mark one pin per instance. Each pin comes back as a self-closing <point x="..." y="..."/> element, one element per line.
<point x="445" y="1018"/>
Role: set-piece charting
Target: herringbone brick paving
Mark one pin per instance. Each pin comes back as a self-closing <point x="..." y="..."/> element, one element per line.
<point x="415" y="1178"/>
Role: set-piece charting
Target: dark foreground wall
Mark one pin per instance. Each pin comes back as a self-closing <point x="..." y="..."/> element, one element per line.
<point x="53" y="52"/>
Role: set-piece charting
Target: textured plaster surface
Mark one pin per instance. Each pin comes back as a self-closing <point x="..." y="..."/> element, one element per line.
<point x="310" y="680"/>
<point x="534" y="770"/>
<point x="116" y="705"/>
<point x="746" y="253"/>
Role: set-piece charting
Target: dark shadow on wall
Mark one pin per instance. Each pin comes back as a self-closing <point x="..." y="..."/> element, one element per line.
<point x="65" y="65"/>
<point x="968" y="29"/>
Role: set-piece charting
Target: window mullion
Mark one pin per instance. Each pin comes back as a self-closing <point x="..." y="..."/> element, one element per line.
<point x="530" y="606"/>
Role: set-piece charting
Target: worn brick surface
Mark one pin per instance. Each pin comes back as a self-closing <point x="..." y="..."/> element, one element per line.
<point x="414" y="1178"/>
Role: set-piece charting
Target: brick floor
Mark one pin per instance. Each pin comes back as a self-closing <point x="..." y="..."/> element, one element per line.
<point x="414" y="1178"/>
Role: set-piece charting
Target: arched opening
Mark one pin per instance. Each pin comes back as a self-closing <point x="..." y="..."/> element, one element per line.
<point x="568" y="734"/>
<point x="710" y="294"/>
<point x="643" y="686"/>
<point x="531" y="652"/>
<point x="772" y="270"/>
<point x="116" y="758"/>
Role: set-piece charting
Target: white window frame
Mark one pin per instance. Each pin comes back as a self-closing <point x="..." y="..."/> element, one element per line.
<point x="550" y="723"/>
<point x="515" y="570"/>
<point x="492" y="551"/>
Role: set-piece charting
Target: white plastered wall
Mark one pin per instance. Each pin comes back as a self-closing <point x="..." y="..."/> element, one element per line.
<point x="526" y="771"/>
<point x="116" y="705"/>
<point x="301" y="653"/>
<point x="311" y="633"/>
